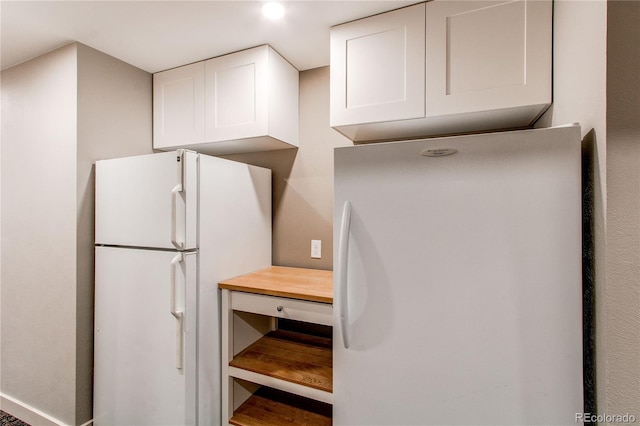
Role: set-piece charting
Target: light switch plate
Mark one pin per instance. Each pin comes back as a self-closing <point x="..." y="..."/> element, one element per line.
<point x="316" y="249"/>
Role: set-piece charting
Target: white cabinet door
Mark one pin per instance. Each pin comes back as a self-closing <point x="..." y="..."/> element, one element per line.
<point x="148" y="201"/>
<point x="487" y="55"/>
<point x="178" y="106"/>
<point x="377" y="68"/>
<point x="236" y="95"/>
<point x="145" y="357"/>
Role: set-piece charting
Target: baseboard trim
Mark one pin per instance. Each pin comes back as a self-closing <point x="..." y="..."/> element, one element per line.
<point x="29" y="414"/>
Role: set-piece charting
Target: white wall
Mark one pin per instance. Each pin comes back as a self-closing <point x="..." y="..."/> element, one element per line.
<point x="61" y="112"/>
<point x="39" y="233"/>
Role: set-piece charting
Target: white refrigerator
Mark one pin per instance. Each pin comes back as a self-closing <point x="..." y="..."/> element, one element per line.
<point x="458" y="283"/>
<point x="169" y="227"/>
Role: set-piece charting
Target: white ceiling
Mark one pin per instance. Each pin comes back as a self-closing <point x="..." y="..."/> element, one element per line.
<point x="157" y="35"/>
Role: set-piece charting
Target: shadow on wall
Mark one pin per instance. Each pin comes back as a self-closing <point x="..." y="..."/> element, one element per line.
<point x="590" y="173"/>
<point x="280" y="162"/>
<point x="589" y="162"/>
<point x="295" y="219"/>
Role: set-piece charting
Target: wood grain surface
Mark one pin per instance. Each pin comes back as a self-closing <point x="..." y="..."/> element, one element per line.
<point x="291" y="356"/>
<point x="270" y="407"/>
<point x="296" y="283"/>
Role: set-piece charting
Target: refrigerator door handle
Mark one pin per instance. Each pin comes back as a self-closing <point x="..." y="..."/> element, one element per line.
<point x="175" y="192"/>
<point x="343" y="254"/>
<point x="179" y="315"/>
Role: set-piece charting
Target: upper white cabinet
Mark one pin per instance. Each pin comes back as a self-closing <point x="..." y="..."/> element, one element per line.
<point x="488" y="55"/>
<point x="486" y="65"/>
<point x="242" y="102"/>
<point x="377" y="68"/>
<point x="178" y="106"/>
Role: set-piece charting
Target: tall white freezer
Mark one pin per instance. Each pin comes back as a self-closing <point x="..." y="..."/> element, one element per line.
<point x="458" y="283"/>
<point x="169" y="227"/>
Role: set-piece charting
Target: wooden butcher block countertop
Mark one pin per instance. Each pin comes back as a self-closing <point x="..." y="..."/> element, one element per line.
<point x="295" y="283"/>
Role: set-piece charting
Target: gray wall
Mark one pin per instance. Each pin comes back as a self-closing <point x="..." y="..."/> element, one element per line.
<point x="622" y="327"/>
<point x="61" y="112"/>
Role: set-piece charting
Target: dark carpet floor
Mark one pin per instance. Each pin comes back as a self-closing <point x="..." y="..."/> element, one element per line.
<point x="9" y="420"/>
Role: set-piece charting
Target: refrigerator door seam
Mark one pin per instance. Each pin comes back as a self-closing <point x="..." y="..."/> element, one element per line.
<point x="185" y="251"/>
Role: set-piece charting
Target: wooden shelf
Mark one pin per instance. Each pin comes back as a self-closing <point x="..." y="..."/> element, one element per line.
<point x="271" y="407"/>
<point x="290" y="356"/>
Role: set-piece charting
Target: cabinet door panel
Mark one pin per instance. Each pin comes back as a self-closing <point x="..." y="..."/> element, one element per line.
<point x="178" y="106"/>
<point x="377" y="68"/>
<point x="235" y="90"/>
<point x="236" y="95"/>
<point x="486" y="55"/>
<point x="386" y="76"/>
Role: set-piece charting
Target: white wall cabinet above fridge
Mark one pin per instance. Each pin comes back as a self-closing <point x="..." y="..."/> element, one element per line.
<point x="442" y="67"/>
<point x="241" y="102"/>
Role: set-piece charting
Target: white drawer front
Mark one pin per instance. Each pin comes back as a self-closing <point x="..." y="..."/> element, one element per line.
<point x="280" y="307"/>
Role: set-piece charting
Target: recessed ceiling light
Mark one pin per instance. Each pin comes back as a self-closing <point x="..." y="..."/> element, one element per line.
<point x="273" y="10"/>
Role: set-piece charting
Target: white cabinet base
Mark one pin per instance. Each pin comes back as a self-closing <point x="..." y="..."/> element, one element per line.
<point x="475" y="122"/>
<point x="239" y="146"/>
